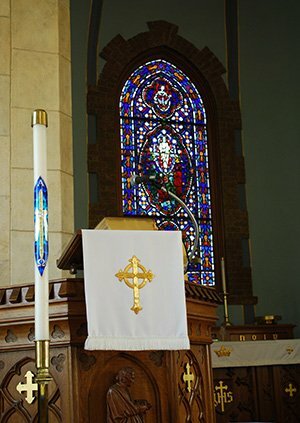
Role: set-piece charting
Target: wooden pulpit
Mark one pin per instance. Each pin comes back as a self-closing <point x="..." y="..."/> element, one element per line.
<point x="176" y="385"/>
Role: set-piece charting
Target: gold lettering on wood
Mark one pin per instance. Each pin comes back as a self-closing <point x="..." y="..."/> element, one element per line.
<point x="254" y="336"/>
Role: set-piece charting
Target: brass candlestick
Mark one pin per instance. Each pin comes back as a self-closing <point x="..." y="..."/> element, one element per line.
<point x="226" y="321"/>
<point x="43" y="377"/>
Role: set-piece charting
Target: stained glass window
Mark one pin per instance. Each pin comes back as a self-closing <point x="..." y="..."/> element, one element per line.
<point x="164" y="134"/>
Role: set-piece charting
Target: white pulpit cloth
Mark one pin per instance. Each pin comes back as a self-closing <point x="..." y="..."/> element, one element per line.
<point x="255" y="353"/>
<point x="112" y="325"/>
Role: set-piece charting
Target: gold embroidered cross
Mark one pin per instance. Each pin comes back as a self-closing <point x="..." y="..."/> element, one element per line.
<point x="29" y="387"/>
<point x="290" y="390"/>
<point x="222" y="396"/>
<point x="131" y="272"/>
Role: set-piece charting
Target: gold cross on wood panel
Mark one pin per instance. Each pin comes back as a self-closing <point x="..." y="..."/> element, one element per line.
<point x="188" y="377"/>
<point x="290" y="390"/>
<point x="29" y="387"/>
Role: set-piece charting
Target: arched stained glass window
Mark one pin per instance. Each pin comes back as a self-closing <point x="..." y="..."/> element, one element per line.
<point x="163" y="133"/>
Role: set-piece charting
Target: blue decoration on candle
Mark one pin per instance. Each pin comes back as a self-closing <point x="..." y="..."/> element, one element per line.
<point x="41" y="244"/>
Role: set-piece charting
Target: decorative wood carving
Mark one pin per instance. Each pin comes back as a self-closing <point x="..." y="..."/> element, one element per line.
<point x="233" y="395"/>
<point x="150" y="382"/>
<point x="264" y="393"/>
<point x="82" y="330"/>
<point x="288" y="378"/>
<point x="157" y="357"/>
<point x="82" y="378"/>
<point x="10" y="337"/>
<point x="87" y="361"/>
<point x="14" y="404"/>
<point x="120" y="405"/>
<point x="58" y="361"/>
<point x="31" y="335"/>
<point x="54" y="407"/>
<point x="253" y="332"/>
<point x="57" y="332"/>
<point x="191" y="389"/>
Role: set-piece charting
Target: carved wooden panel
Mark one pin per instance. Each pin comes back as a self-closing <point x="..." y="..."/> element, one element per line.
<point x="81" y="379"/>
<point x="287" y="382"/>
<point x="233" y="395"/>
<point x="191" y="389"/>
<point x="253" y="333"/>
<point x="98" y="372"/>
<point x="264" y="393"/>
<point x="18" y="393"/>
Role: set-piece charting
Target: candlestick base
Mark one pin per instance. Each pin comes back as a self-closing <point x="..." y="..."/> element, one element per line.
<point x="226" y="321"/>
<point x="43" y="377"/>
<point x="42" y="354"/>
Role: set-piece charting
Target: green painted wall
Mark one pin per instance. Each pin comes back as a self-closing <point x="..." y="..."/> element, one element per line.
<point x="203" y="27"/>
<point x="270" y="95"/>
<point x="269" y="65"/>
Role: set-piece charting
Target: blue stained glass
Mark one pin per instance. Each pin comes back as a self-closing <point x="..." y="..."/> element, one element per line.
<point x="163" y="133"/>
<point x="41" y="244"/>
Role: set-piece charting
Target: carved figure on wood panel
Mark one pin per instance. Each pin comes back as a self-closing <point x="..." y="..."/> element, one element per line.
<point x="121" y="408"/>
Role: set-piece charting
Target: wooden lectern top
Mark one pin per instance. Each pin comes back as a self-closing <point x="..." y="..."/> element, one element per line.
<point x="127" y="223"/>
<point x="72" y="256"/>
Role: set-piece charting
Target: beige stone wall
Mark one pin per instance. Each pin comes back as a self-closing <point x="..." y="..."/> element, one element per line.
<point x="35" y="72"/>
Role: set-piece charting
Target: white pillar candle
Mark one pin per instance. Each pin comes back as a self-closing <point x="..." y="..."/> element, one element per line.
<point x="41" y="242"/>
<point x="223" y="275"/>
